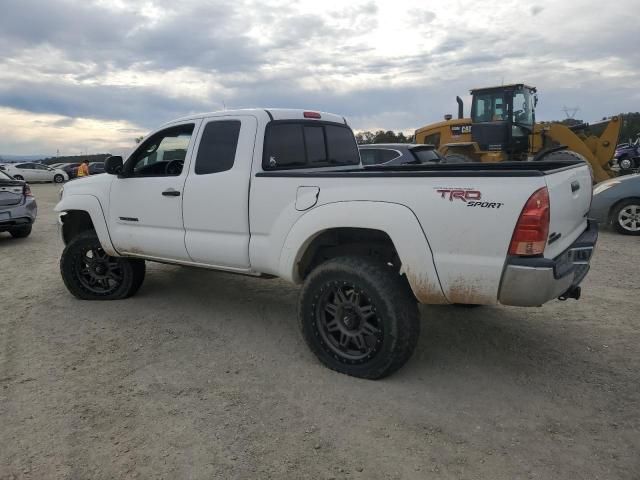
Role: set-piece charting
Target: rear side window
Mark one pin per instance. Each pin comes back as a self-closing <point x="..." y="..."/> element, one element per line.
<point x="217" y="150"/>
<point x="304" y="145"/>
<point x="342" y="146"/>
<point x="376" y="156"/>
<point x="426" y="155"/>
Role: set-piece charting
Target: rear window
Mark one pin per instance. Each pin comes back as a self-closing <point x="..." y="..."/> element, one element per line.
<point x="308" y="144"/>
<point x="426" y="155"/>
<point x="376" y="156"/>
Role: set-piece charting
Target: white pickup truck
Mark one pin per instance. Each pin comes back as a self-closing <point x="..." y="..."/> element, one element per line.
<point x="283" y="193"/>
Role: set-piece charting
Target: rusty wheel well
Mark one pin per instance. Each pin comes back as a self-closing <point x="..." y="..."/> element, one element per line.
<point x="338" y="242"/>
<point x="74" y="223"/>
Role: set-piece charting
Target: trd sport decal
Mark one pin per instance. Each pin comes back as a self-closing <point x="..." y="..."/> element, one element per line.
<point x="469" y="196"/>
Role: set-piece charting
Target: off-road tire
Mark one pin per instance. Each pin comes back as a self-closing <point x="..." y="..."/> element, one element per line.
<point x="615" y="212"/>
<point x="394" y="306"/>
<point x="133" y="270"/>
<point x="58" y="178"/>
<point x="20" y="232"/>
<point x="457" y="158"/>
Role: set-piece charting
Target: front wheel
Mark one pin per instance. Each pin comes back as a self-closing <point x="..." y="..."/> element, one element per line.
<point x="57" y="178"/>
<point x="359" y="317"/>
<point x="90" y="274"/>
<point x="626" y="217"/>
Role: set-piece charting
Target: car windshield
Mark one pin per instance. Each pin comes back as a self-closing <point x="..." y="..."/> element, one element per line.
<point x="4" y="176"/>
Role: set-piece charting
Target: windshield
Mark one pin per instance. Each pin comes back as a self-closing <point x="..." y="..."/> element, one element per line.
<point x="5" y="176"/>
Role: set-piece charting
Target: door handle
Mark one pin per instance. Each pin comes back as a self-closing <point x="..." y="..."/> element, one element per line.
<point x="171" y="193"/>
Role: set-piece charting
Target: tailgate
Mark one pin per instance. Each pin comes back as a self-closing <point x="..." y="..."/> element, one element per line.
<point x="10" y="194"/>
<point x="570" y="193"/>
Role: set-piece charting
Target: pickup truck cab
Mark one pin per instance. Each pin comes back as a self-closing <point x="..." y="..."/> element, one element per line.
<point x="270" y="192"/>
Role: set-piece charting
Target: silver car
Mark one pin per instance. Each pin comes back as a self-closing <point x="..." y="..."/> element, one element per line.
<point x="18" y="208"/>
<point x="617" y="201"/>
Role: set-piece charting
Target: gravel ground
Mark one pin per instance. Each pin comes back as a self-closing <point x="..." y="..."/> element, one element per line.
<point x="205" y="375"/>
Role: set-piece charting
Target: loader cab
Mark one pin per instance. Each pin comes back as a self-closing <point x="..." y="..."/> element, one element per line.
<point x="503" y="118"/>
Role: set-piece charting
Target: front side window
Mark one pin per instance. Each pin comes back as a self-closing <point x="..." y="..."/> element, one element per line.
<point x="25" y="166"/>
<point x="488" y="107"/>
<point x="217" y="150"/>
<point x="162" y="154"/>
<point x="293" y="144"/>
<point x="523" y="107"/>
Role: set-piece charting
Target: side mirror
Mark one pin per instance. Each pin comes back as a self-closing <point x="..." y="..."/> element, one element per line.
<point x="113" y="165"/>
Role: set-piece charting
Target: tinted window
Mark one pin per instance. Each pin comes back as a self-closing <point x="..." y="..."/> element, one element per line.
<point x="291" y="145"/>
<point x="376" y="156"/>
<point x="369" y="156"/>
<point x="284" y="146"/>
<point x="342" y="146"/>
<point x="426" y="155"/>
<point x="218" y="145"/>
<point x="314" y="140"/>
<point x="28" y="166"/>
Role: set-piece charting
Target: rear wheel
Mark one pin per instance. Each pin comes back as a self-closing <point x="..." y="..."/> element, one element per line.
<point x="20" y="232"/>
<point x="359" y="317"/>
<point x="57" y="178"/>
<point x="18" y="177"/>
<point x="626" y="217"/>
<point x="90" y="274"/>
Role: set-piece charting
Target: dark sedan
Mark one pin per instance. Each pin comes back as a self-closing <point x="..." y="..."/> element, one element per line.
<point x="398" y="154"/>
<point x="18" y="208"/>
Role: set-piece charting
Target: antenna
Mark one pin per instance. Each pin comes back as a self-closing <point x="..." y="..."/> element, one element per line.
<point x="570" y="112"/>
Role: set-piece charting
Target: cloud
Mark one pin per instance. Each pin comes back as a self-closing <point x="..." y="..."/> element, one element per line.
<point x="383" y="64"/>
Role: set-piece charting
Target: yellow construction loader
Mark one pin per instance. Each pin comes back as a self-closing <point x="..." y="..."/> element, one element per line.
<point x="502" y="127"/>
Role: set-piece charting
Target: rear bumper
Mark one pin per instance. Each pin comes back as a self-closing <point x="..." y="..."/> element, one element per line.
<point x="530" y="282"/>
<point x="17" y="216"/>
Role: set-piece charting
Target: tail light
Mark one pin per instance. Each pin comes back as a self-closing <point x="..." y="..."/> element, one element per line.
<point x="27" y="190"/>
<point x="311" y="115"/>
<point x="532" y="229"/>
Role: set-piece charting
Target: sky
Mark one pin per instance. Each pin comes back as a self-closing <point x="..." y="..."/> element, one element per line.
<point x="91" y="75"/>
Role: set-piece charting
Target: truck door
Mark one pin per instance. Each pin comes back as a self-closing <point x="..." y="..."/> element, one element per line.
<point x="145" y="208"/>
<point x="216" y="199"/>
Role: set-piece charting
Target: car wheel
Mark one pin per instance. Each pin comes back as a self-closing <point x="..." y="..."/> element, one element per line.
<point x="18" y="177"/>
<point x="90" y="274"/>
<point x="626" y="217"/>
<point x="57" y="178"/>
<point x="20" y="232"/>
<point x="359" y="317"/>
<point x="626" y="165"/>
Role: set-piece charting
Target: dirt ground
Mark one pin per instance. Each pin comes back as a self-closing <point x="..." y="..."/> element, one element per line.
<point x="205" y="375"/>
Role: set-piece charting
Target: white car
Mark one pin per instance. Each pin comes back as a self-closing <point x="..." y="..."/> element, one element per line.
<point x="284" y="193"/>
<point x="36" y="172"/>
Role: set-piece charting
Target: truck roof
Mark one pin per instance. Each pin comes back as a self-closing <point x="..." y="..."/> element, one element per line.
<point x="269" y="114"/>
